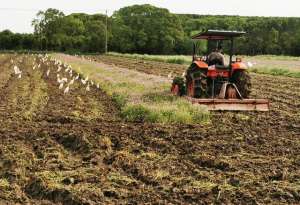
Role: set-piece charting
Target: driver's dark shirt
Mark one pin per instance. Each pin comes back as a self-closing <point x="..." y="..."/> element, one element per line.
<point x="216" y="55"/>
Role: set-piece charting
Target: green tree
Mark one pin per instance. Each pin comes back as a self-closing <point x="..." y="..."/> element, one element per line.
<point x="96" y="36"/>
<point x="148" y="29"/>
<point x="46" y="24"/>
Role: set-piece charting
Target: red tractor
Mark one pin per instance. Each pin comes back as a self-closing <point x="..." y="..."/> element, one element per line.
<point x="212" y="82"/>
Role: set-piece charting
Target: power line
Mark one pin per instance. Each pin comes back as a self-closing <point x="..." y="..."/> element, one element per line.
<point x="64" y="10"/>
<point x="18" y="9"/>
<point x="106" y="32"/>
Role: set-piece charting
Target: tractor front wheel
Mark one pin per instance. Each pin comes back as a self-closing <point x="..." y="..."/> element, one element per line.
<point x="242" y="80"/>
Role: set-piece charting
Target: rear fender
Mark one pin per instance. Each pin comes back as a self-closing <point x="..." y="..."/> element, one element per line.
<point x="238" y="66"/>
<point x="201" y="64"/>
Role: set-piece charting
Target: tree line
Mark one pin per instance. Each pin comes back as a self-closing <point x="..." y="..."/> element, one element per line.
<point x="152" y="30"/>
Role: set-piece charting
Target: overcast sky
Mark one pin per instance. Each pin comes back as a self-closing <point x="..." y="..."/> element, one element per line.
<point x="17" y="15"/>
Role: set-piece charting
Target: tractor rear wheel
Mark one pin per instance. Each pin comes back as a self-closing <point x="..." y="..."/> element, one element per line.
<point x="242" y="80"/>
<point x="178" y="86"/>
<point x="196" y="82"/>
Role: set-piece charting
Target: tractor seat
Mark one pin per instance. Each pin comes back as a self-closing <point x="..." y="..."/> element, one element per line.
<point x="221" y="67"/>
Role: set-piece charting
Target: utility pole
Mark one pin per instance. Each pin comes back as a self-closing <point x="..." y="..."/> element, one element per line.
<point x="106" y="33"/>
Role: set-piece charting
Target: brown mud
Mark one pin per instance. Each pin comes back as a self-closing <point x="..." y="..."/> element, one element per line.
<point x="58" y="148"/>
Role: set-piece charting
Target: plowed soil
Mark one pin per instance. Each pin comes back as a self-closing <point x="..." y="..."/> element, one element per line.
<point x="72" y="148"/>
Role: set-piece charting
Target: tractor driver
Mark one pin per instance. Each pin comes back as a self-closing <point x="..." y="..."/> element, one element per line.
<point x="216" y="57"/>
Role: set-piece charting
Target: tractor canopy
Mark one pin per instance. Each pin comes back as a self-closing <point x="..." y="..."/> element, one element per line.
<point x="218" y="35"/>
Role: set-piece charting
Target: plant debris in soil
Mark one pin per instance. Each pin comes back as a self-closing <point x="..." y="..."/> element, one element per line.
<point x="58" y="148"/>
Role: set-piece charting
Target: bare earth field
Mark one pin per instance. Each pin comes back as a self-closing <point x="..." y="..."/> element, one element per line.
<point x="75" y="149"/>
